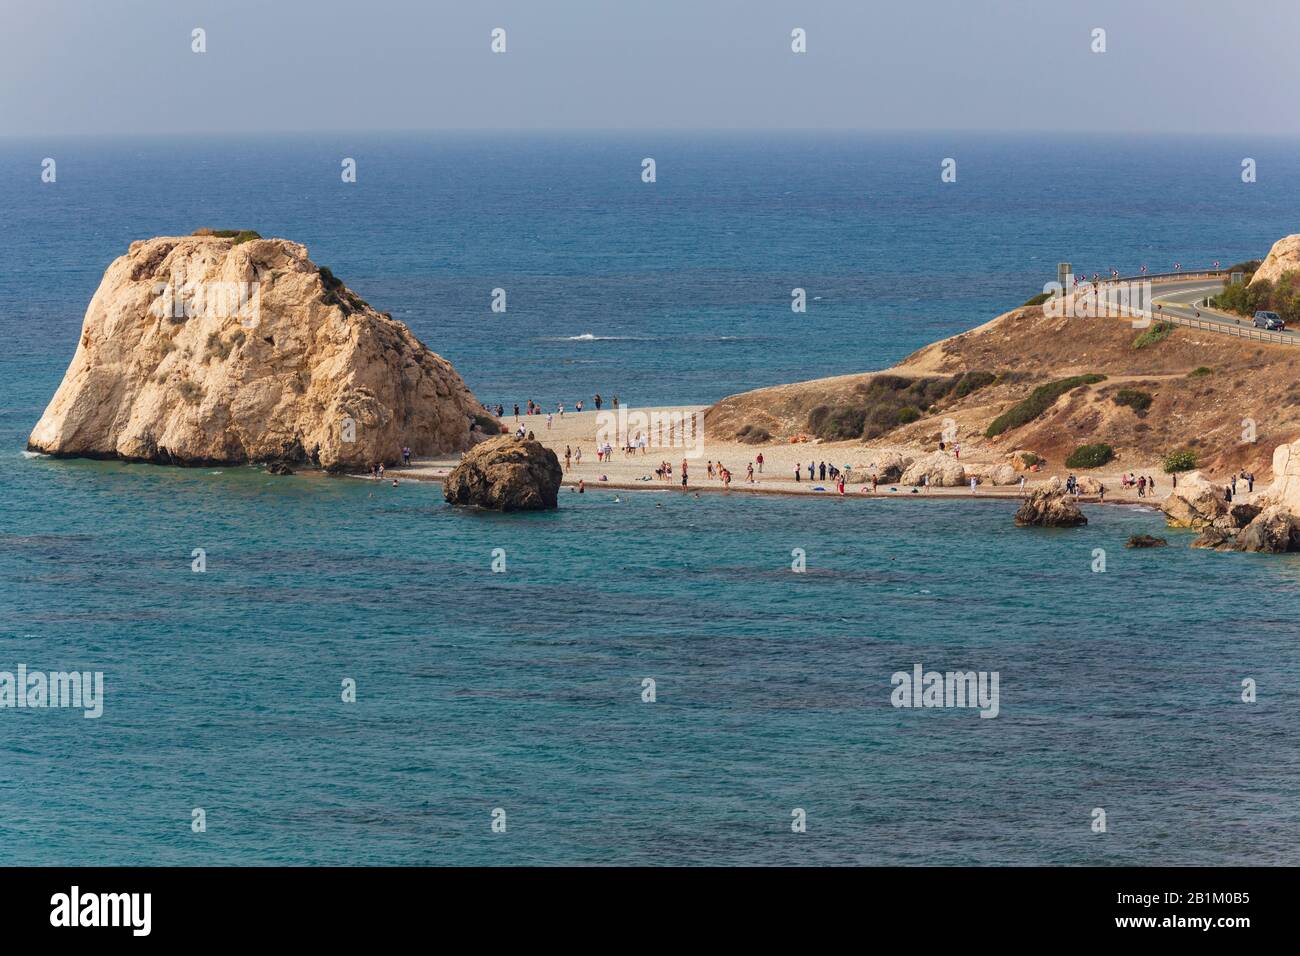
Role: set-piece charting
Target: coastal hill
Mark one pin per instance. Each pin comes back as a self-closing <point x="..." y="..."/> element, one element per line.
<point x="222" y="348"/>
<point x="1028" y="381"/>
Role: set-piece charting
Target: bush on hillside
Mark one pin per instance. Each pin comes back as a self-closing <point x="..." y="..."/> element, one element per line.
<point x="1155" y="332"/>
<point x="1134" y="399"/>
<point x="1184" y="460"/>
<point x="1090" y="456"/>
<point x="1039" y="401"/>
<point x="886" y="401"/>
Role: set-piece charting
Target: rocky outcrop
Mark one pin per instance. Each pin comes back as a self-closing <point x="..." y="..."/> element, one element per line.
<point x="944" y="471"/>
<point x="506" y="474"/>
<point x="1283" y="257"/>
<point x="203" y="350"/>
<point x="890" y="466"/>
<point x="1145" y="541"/>
<point x="1273" y="531"/>
<point x="1049" y="508"/>
<point x="1285" y="489"/>
<point x="1089" y="486"/>
<point x="1195" y="503"/>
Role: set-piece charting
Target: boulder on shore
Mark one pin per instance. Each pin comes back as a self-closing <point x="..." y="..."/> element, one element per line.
<point x="944" y="471"/>
<point x="506" y="474"/>
<point x="890" y="466"/>
<point x="1049" y="508"/>
<point x="1273" y="531"/>
<point x="201" y="350"/>
<point x="1145" y="541"/>
<point x="1195" y="503"/>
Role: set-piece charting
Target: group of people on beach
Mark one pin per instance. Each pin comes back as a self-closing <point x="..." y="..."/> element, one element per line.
<point x="817" y="471"/>
<point x="1145" y="484"/>
<point x="535" y="408"/>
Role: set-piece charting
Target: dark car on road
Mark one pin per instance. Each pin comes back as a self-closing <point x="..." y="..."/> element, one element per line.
<point x="1269" y="320"/>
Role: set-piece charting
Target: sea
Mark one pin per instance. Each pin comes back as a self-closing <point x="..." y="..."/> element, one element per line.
<point x="315" y="670"/>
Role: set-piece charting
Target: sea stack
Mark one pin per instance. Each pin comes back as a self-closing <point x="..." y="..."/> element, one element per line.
<point x="227" y="348"/>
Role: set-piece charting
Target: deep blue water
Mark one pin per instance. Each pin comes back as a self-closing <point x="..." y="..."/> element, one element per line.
<point x="522" y="690"/>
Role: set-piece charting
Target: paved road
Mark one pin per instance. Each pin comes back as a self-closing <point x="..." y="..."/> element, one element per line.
<point x="1178" y="297"/>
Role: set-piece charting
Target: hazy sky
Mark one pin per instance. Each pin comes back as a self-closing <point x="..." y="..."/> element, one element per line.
<point x="126" y="66"/>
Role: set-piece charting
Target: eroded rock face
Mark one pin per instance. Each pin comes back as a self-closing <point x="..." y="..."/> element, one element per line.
<point x="1049" y="508"/>
<point x="890" y="466"/>
<point x="1285" y="489"/>
<point x="269" y="359"/>
<point x="506" y="474"/>
<point x="1273" y="531"/>
<point x="1283" y="257"/>
<point x="944" y="471"/>
<point x="1195" y="503"/>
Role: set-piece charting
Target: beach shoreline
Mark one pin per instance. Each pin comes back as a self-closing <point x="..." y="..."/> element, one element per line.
<point x="636" y="473"/>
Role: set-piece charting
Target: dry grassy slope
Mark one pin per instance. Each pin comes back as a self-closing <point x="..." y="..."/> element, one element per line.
<point x="1027" y="348"/>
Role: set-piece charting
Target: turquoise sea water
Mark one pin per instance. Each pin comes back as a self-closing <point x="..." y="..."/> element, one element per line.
<point x="522" y="690"/>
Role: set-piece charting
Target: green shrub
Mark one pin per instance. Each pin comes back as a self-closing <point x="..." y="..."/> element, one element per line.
<point x="1030" y="459"/>
<point x="190" y="391"/>
<point x="1134" y="399"/>
<point x="217" y="346"/>
<point x="1090" y="456"/>
<point x="843" y="422"/>
<point x="488" y="424"/>
<point x="886" y="401"/>
<point x="239" y="235"/>
<point x="754" y="435"/>
<point x="1282" y="297"/>
<point x="971" y="381"/>
<point x="1038" y="299"/>
<point x="1156" y="332"/>
<point x="1039" y="401"/>
<point x="336" y="293"/>
<point x="1199" y="372"/>
<point x="1184" y="460"/>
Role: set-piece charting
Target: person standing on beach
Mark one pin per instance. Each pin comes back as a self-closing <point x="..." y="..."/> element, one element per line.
<point x="1250" y="481"/>
<point x="1234" y="484"/>
<point x="875" y="482"/>
<point x="406" y="455"/>
<point x="683" y="472"/>
<point x="561" y="409"/>
<point x="568" y="454"/>
<point x="578" y="406"/>
<point x="549" y="419"/>
<point x="796" y="471"/>
<point x="749" y="473"/>
<point x="577" y="455"/>
<point x="759" y="459"/>
<point x="516" y="409"/>
<point x="1022" y="485"/>
<point x="973" y="482"/>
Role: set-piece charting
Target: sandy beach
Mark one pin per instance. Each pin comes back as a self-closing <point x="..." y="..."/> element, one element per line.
<point x="577" y="430"/>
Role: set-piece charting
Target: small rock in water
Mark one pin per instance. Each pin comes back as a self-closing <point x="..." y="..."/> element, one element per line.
<point x="1145" y="541"/>
<point x="278" y="468"/>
